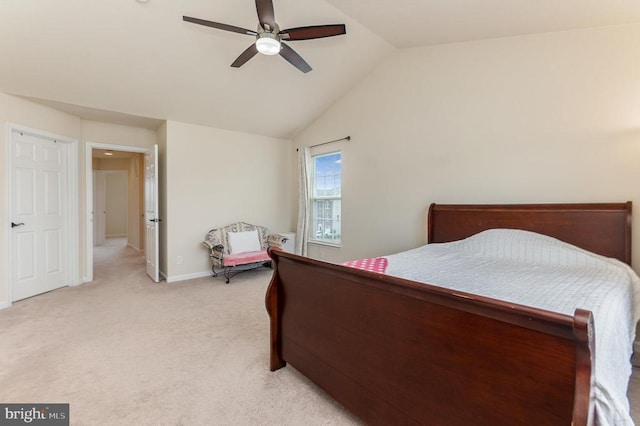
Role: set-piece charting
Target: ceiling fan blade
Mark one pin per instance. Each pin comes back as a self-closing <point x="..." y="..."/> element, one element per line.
<point x="265" y="13"/>
<point x="218" y="25"/>
<point x="245" y="56"/>
<point x="294" y="59"/>
<point x="317" y="31"/>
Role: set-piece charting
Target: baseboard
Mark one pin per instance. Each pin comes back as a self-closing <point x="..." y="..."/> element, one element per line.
<point x="185" y="277"/>
<point x="4" y="305"/>
<point x="115" y="235"/>
<point x="134" y="247"/>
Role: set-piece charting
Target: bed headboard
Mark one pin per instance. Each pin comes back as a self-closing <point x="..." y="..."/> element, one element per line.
<point x="602" y="228"/>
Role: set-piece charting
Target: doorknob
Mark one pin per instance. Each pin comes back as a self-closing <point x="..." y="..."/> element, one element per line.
<point x="13" y="225"/>
<point x="156" y="220"/>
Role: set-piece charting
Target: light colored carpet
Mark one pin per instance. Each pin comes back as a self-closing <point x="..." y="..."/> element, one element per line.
<point x="124" y="350"/>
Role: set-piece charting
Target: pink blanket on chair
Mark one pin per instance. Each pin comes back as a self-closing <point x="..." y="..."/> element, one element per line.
<point x="245" y="258"/>
<point x="373" y="264"/>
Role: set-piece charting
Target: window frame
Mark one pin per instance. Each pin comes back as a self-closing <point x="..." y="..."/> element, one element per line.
<point x="313" y="197"/>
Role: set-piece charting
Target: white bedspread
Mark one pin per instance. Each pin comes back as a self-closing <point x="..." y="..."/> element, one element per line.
<point x="535" y="270"/>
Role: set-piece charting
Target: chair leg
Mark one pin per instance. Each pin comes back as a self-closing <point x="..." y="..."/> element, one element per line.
<point x="227" y="270"/>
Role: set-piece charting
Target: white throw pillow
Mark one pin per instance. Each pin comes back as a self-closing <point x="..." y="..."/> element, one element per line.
<point x="240" y="242"/>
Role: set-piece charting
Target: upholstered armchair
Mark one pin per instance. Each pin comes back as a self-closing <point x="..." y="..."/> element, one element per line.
<point x="239" y="247"/>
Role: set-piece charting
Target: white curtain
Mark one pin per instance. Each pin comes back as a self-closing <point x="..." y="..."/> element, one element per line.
<point x="304" y="206"/>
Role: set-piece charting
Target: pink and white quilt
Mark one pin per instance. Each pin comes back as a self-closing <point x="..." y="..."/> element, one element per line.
<point x="373" y="264"/>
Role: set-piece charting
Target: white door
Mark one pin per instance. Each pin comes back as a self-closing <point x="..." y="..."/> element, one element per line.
<point x="39" y="209"/>
<point x="152" y="250"/>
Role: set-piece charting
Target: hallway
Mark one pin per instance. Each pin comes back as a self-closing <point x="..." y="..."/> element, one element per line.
<point x="115" y="260"/>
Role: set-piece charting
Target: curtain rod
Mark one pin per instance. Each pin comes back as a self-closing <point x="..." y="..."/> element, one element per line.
<point x="346" y="138"/>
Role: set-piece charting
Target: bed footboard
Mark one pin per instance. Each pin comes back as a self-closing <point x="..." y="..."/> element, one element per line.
<point x="394" y="351"/>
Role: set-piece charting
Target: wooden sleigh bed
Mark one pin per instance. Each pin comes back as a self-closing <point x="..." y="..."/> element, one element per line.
<point x="395" y="351"/>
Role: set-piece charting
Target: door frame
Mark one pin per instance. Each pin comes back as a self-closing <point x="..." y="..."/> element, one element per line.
<point x="89" y="195"/>
<point x="73" y="223"/>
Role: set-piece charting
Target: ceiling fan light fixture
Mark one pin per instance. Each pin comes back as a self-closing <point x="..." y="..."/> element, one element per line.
<point x="268" y="36"/>
<point x="268" y="44"/>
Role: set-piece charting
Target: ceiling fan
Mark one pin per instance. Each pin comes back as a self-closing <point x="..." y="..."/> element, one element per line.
<point x="269" y="37"/>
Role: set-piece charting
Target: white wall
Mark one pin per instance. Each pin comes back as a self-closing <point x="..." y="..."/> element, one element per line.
<point x="116" y="134"/>
<point x="541" y="118"/>
<point x="215" y="177"/>
<point x="136" y="224"/>
<point x="116" y="195"/>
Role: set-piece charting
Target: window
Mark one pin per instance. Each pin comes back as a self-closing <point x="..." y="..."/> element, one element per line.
<point x="326" y="201"/>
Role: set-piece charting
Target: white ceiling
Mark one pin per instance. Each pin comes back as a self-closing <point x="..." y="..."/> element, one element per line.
<point x="411" y="23"/>
<point x="108" y="154"/>
<point x="139" y="63"/>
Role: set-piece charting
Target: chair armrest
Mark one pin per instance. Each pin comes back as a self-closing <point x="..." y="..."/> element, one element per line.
<point x="213" y="247"/>
<point x="216" y="252"/>
<point x="276" y="240"/>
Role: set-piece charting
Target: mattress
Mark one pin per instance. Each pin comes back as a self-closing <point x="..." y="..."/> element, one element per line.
<point x="535" y="270"/>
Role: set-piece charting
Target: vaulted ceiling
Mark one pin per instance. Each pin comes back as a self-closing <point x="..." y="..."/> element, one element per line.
<point x="138" y="63"/>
